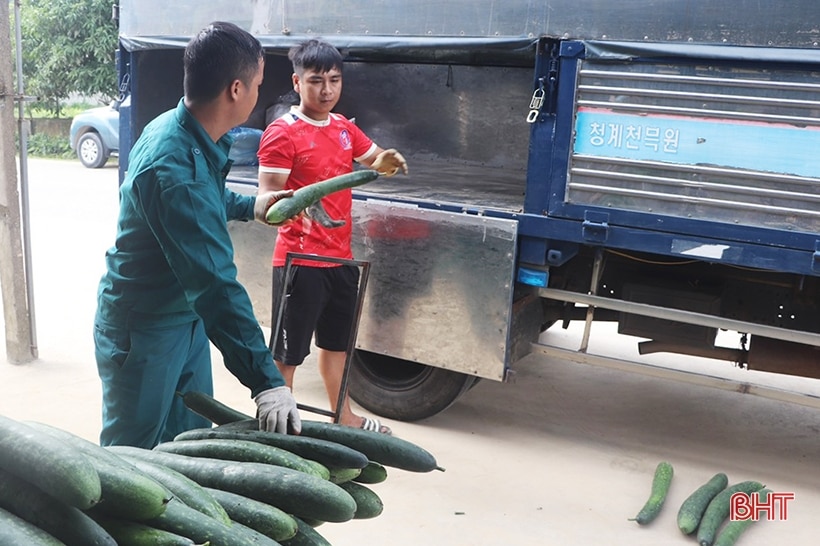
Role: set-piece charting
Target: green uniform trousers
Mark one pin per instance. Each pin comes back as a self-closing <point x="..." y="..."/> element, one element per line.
<point x="142" y="369"/>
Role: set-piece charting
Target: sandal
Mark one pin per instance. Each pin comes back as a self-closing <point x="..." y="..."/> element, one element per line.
<point x="374" y="425"/>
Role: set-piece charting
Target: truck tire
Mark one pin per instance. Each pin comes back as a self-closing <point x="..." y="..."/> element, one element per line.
<point x="91" y="151"/>
<point x="401" y="389"/>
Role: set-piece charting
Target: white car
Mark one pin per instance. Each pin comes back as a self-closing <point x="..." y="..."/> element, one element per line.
<point x="95" y="135"/>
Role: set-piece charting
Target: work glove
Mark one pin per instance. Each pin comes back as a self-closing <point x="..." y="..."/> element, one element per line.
<point x="276" y="409"/>
<point x="388" y="163"/>
<point x="264" y="201"/>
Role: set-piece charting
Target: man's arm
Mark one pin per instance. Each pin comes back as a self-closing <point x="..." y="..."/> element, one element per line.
<point x="272" y="181"/>
<point x="368" y="160"/>
<point x="386" y="162"/>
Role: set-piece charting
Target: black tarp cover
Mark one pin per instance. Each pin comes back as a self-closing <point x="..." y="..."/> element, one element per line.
<point x="477" y="50"/>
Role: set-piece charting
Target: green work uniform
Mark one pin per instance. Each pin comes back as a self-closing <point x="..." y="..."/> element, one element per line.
<point x="171" y="285"/>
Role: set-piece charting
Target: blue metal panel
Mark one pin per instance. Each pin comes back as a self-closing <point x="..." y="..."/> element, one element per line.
<point x="815" y="265"/>
<point x="754" y="146"/>
<point x="542" y="138"/>
<point x="687" y="226"/>
<point x="612" y="227"/>
<point x="569" y="54"/>
<point x="690" y="246"/>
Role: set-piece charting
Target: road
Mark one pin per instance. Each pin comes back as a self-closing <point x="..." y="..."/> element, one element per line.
<point x="562" y="456"/>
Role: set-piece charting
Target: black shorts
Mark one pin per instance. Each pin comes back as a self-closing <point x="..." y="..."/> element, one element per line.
<point x="320" y="300"/>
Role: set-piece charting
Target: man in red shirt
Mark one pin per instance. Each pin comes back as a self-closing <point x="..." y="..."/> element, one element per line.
<point x="304" y="146"/>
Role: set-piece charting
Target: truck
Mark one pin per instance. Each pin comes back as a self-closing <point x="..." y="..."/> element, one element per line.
<point x="648" y="163"/>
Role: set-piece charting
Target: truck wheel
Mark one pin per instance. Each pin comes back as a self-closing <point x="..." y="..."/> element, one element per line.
<point x="401" y="389"/>
<point x="91" y="150"/>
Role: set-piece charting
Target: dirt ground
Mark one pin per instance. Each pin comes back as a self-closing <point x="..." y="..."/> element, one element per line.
<point x="563" y="455"/>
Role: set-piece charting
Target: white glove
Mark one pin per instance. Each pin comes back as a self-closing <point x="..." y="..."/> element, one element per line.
<point x="275" y="409"/>
<point x="264" y="201"/>
<point x="388" y="163"/>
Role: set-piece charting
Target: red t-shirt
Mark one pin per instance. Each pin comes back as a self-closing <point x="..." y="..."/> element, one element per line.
<point x="310" y="151"/>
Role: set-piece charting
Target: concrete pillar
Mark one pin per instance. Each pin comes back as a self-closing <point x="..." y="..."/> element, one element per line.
<point x="19" y="345"/>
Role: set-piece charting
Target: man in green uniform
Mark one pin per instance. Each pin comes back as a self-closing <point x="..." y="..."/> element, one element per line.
<point x="170" y="283"/>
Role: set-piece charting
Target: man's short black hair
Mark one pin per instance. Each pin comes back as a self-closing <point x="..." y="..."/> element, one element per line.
<point x="315" y="55"/>
<point x="219" y="54"/>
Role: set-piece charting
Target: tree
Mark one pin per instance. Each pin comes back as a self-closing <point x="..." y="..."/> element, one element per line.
<point x="68" y="47"/>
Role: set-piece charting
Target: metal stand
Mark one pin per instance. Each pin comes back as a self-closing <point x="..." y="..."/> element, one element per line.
<point x="597" y="269"/>
<point x="278" y="310"/>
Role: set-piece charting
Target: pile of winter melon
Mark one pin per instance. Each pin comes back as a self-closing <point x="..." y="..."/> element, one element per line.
<point x="231" y="485"/>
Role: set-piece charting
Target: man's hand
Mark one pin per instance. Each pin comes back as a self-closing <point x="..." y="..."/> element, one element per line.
<point x="276" y="409"/>
<point x="388" y="163"/>
<point x="264" y="201"/>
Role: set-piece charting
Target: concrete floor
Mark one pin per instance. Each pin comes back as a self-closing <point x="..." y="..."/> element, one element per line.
<point x="564" y="455"/>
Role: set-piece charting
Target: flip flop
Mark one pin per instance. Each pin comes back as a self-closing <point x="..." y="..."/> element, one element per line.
<point x="374" y="425"/>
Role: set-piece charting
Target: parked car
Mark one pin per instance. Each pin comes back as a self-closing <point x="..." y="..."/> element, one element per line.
<point x="95" y="135"/>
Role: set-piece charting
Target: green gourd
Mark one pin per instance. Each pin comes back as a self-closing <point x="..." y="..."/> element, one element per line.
<point x="660" y="488"/>
<point x="306" y="196"/>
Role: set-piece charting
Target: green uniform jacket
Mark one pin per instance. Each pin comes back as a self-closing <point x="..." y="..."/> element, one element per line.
<point x="173" y="257"/>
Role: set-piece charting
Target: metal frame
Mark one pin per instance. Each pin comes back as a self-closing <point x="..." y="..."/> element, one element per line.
<point x="689" y="317"/>
<point x="278" y="310"/>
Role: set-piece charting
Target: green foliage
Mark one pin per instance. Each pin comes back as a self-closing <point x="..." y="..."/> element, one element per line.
<point x="68" y="47"/>
<point x="67" y="111"/>
<point x="43" y="145"/>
